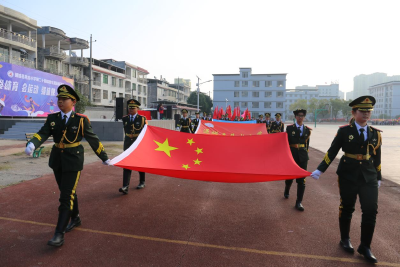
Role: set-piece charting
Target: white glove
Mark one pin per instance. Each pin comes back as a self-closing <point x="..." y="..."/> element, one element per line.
<point x="379" y="183"/>
<point x="177" y="128"/>
<point x="108" y="162"/>
<point x="29" y="149"/>
<point x="316" y="174"/>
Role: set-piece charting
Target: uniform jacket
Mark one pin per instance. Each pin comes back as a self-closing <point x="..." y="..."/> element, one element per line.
<point x="195" y="124"/>
<point x="268" y="125"/>
<point x="348" y="139"/>
<point x="77" y="127"/>
<point x="185" y="125"/>
<point x="299" y="154"/>
<point x="277" y="128"/>
<point x="132" y="129"/>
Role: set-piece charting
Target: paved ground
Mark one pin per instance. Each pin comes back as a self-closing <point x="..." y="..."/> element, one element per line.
<point x="175" y="222"/>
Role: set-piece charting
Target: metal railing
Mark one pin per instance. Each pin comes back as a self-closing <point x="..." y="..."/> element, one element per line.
<point x="128" y="90"/>
<point x="23" y="62"/>
<point x="20" y="38"/>
<point x="127" y="76"/>
<point x="53" y="51"/>
<point x="140" y="80"/>
<point x="98" y="83"/>
<point x="79" y="61"/>
<point x="81" y="78"/>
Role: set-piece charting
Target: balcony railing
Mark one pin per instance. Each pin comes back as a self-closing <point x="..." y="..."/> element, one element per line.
<point x="54" y="52"/>
<point x="140" y="80"/>
<point x="128" y="90"/>
<point x="98" y="83"/>
<point x="81" y="78"/>
<point x="23" y="62"/>
<point x="79" y="61"/>
<point x="20" y="38"/>
<point x="128" y="76"/>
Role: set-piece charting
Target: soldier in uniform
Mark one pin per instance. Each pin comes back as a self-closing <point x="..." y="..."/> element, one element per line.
<point x="185" y="123"/>
<point x="260" y="119"/>
<point x="359" y="173"/>
<point x="277" y="126"/>
<point x="268" y="121"/>
<point x="209" y="118"/>
<point x="66" y="157"/>
<point x="133" y="124"/>
<point x="195" y="122"/>
<point x="204" y="116"/>
<point x="299" y="141"/>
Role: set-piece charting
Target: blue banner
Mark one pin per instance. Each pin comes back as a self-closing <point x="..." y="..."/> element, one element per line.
<point x="28" y="92"/>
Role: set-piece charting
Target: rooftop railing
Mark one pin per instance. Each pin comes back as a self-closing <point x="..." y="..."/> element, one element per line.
<point x="54" y="52"/>
<point x="23" y="62"/>
<point x="20" y="38"/>
<point x="79" y="61"/>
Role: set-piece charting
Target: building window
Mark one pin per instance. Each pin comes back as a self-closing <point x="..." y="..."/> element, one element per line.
<point x="128" y="96"/>
<point x="245" y="94"/>
<point x="140" y="99"/>
<point x="279" y="104"/>
<point x="120" y="83"/>
<point x="245" y="74"/>
<point x="120" y="95"/>
<point x="144" y="101"/>
<point x="133" y="73"/>
<point x="245" y="83"/>
<point x="105" y="94"/>
<point x="105" y="78"/>
<point x="254" y="104"/>
<point x="267" y="104"/>
<point x="114" y="95"/>
<point x="113" y="81"/>
<point x="256" y="94"/>
<point x="243" y="104"/>
<point x="279" y="94"/>
<point x="144" y="90"/>
<point x="235" y="104"/>
<point x="139" y="89"/>
<point x="268" y="84"/>
<point x="237" y="83"/>
<point x="268" y="94"/>
<point x="236" y="94"/>
<point x="256" y="83"/>
<point x="133" y="86"/>
<point x="280" y="83"/>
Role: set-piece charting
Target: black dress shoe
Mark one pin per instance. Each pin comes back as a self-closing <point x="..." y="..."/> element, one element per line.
<point x="299" y="207"/>
<point x="140" y="186"/>
<point x="124" y="189"/>
<point x="346" y="245"/>
<point x="57" y="240"/>
<point x="366" y="252"/>
<point x="75" y="222"/>
<point x="286" y="195"/>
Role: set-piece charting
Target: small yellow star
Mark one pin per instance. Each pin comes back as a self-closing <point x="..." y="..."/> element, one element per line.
<point x="232" y="134"/>
<point x="199" y="150"/>
<point x="224" y="134"/>
<point x="197" y="161"/>
<point x="259" y="133"/>
<point x="206" y="131"/>
<point x="165" y="147"/>
<point x="185" y="166"/>
<point x="215" y="133"/>
<point x="190" y="142"/>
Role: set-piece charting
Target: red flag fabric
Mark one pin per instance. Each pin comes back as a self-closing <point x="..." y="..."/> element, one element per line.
<point x="215" y="115"/>
<point x="211" y="158"/>
<point x="229" y="112"/>
<point x="221" y="113"/>
<point x="230" y="129"/>
<point x="145" y="114"/>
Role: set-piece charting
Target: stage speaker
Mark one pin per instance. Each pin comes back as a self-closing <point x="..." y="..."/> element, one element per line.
<point x="119" y="108"/>
<point x="169" y="112"/>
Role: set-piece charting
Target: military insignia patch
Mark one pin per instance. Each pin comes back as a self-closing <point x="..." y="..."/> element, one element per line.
<point x="293" y="133"/>
<point x="126" y="123"/>
<point x="52" y="123"/>
<point x="74" y="127"/>
<point x="351" y="137"/>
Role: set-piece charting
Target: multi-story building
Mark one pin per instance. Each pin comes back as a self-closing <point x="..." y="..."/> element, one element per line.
<point x="328" y="90"/>
<point x="349" y="95"/>
<point x="181" y="81"/>
<point x="17" y="38"/>
<point x="183" y="91"/>
<point x="53" y="45"/>
<point x="387" y="97"/>
<point x="259" y="93"/>
<point x="112" y="79"/>
<point x="362" y="82"/>
<point x="160" y="89"/>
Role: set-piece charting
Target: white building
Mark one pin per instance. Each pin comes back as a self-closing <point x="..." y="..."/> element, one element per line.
<point x="259" y="93"/>
<point x="362" y="82"/>
<point x="341" y="94"/>
<point x="387" y="97"/>
<point x="328" y="90"/>
<point x="349" y="95"/>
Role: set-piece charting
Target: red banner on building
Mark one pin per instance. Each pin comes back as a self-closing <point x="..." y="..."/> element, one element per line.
<point x="231" y="129"/>
<point x="245" y="159"/>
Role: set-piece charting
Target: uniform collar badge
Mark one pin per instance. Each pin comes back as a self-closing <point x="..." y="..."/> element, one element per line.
<point x="351" y="137"/>
<point x="52" y="123"/>
<point x="293" y="133"/>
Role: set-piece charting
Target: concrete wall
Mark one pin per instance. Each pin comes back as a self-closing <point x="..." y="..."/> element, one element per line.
<point x="108" y="130"/>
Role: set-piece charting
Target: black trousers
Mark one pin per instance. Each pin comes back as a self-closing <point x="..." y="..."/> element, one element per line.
<point x="67" y="183"/>
<point x="301" y="181"/>
<point x="127" y="177"/>
<point x="368" y="195"/>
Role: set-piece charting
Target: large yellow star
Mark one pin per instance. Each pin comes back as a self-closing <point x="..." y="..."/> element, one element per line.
<point x="190" y="142"/>
<point x="197" y="161"/>
<point x="199" y="150"/>
<point x="165" y="147"/>
<point x="185" y="166"/>
<point x="232" y="134"/>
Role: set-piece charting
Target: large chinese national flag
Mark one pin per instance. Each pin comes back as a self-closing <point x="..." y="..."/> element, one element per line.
<point x="231" y="129"/>
<point x="241" y="159"/>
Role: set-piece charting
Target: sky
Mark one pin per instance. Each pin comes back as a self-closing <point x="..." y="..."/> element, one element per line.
<point x="314" y="42"/>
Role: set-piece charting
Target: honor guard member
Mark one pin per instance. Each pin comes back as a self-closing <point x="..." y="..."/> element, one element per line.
<point x="268" y="121"/>
<point x="277" y="126"/>
<point x="359" y="174"/>
<point x="299" y="141"/>
<point x="133" y="125"/>
<point x="204" y="116"/>
<point x="185" y="123"/>
<point x="209" y="118"/>
<point x="66" y="157"/>
<point x="260" y="119"/>
<point x="195" y="122"/>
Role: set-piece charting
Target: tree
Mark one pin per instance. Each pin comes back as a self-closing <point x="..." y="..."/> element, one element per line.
<point x="323" y="104"/>
<point x="336" y="105"/>
<point x="205" y="101"/>
<point x="346" y="109"/>
<point x="81" y="105"/>
<point x="299" y="104"/>
<point x="312" y="105"/>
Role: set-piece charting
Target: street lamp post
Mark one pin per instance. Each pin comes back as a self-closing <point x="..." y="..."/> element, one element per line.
<point x="198" y="91"/>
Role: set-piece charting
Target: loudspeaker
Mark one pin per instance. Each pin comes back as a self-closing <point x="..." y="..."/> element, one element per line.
<point x="176" y="119"/>
<point x="119" y="108"/>
<point x="169" y="112"/>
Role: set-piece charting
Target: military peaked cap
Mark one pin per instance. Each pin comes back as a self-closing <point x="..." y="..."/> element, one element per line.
<point x="67" y="91"/>
<point x="363" y="103"/>
<point x="133" y="103"/>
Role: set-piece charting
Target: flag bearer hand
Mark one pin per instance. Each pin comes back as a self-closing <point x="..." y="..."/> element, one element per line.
<point x="379" y="183"/>
<point x="316" y="174"/>
<point x="108" y="162"/>
<point x="29" y="149"/>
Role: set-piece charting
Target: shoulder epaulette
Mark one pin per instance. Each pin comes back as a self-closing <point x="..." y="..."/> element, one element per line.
<point x="376" y="129"/>
<point x="344" y="126"/>
<point x="82" y="115"/>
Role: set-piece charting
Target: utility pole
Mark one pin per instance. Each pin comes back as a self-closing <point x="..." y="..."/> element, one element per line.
<point x="90" y="72"/>
<point x="198" y="93"/>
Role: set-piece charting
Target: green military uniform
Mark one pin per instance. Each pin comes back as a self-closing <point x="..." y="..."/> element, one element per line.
<point x="268" y="122"/>
<point x="299" y="142"/>
<point x="277" y="127"/>
<point x="185" y="124"/>
<point x="67" y="155"/>
<point x="359" y="171"/>
<point x="133" y="125"/>
<point x="195" y="123"/>
<point x="260" y="119"/>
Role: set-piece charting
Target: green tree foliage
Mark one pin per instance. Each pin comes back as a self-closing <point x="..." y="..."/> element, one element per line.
<point x="81" y="105"/>
<point x="299" y="104"/>
<point x="324" y="105"/>
<point x="205" y="101"/>
<point x="346" y="110"/>
<point x="336" y="106"/>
